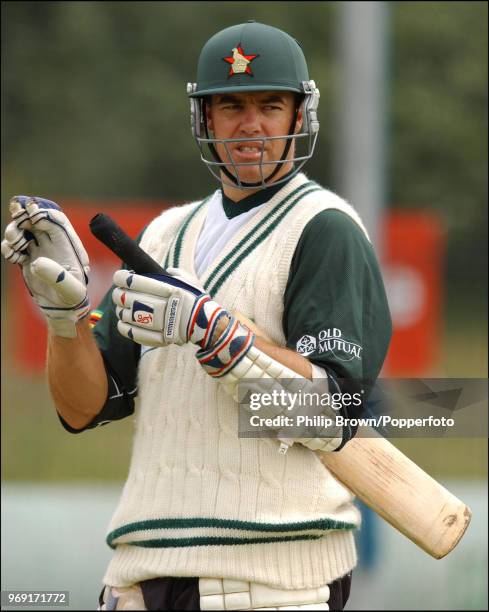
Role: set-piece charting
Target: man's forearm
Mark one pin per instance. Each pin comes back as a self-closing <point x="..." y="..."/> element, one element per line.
<point x="285" y="356"/>
<point x="76" y="375"/>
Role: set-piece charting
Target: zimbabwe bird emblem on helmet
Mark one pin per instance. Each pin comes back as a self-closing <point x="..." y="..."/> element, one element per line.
<point x="240" y="62"/>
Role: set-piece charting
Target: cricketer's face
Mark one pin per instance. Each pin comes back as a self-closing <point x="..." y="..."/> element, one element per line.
<point x="252" y="115"/>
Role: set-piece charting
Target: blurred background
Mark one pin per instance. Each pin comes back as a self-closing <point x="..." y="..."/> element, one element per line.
<point x="95" y="117"/>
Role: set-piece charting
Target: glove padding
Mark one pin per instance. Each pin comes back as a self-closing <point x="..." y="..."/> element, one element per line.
<point x="157" y="310"/>
<point x="54" y="262"/>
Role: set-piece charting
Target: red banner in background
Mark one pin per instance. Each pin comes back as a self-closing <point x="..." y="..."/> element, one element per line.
<point x="414" y="252"/>
<point x="412" y="271"/>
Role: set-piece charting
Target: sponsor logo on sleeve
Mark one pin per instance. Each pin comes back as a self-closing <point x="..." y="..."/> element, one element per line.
<point x="331" y="341"/>
<point x="306" y="345"/>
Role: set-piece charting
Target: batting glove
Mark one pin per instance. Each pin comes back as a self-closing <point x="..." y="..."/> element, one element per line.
<point x="157" y="310"/>
<point x="54" y="262"/>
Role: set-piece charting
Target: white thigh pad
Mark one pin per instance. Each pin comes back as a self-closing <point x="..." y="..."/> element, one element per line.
<point x="222" y="594"/>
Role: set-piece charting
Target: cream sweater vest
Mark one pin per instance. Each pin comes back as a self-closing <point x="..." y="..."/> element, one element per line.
<point x="199" y="500"/>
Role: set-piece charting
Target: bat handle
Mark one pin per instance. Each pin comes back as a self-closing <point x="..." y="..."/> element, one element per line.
<point x="113" y="236"/>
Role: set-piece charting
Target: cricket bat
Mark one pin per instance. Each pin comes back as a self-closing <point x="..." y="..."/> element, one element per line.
<point x="374" y="470"/>
<point x="396" y="488"/>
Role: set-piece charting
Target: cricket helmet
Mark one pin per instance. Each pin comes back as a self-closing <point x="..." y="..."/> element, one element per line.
<point x="253" y="57"/>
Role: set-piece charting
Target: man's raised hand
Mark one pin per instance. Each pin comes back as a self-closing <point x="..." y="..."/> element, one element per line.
<point x="54" y="262"/>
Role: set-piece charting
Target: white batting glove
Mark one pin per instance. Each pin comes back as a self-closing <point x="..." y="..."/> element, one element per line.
<point x="54" y="262"/>
<point x="157" y="310"/>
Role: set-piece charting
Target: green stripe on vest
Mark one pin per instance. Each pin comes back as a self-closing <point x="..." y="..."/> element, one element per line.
<point x="181" y="234"/>
<point x="213" y="541"/>
<point x="178" y="239"/>
<point x="325" y="524"/>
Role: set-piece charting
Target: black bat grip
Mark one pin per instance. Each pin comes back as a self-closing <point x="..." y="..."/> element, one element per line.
<point x="115" y="238"/>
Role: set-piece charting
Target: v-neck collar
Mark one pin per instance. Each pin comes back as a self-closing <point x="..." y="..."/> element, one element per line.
<point x="233" y="209"/>
<point x="238" y="247"/>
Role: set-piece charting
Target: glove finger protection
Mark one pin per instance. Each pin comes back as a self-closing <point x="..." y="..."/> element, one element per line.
<point x="14" y="246"/>
<point x="53" y="260"/>
<point x="69" y="289"/>
<point x="47" y="222"/>
<point x="139" y="309"/>
<point x="145" y="337"/>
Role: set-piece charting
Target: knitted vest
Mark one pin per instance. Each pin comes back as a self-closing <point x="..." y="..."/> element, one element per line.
<point x="199" y="500"/>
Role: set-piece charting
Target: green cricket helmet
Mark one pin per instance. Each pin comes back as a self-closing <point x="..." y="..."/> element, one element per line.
<point x="254" y="57"/>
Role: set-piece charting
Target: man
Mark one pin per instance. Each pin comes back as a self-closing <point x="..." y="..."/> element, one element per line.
<point x="208" y="519"/>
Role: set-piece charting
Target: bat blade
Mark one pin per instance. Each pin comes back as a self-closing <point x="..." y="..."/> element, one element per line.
<point x="401" y="493"/>
<point x="396" y="488"/>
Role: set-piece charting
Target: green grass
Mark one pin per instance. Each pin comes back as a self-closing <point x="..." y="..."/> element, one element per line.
<point x="35" y="446"/>
<point x="447" y="457"/>
<point x="464" y="337"/>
